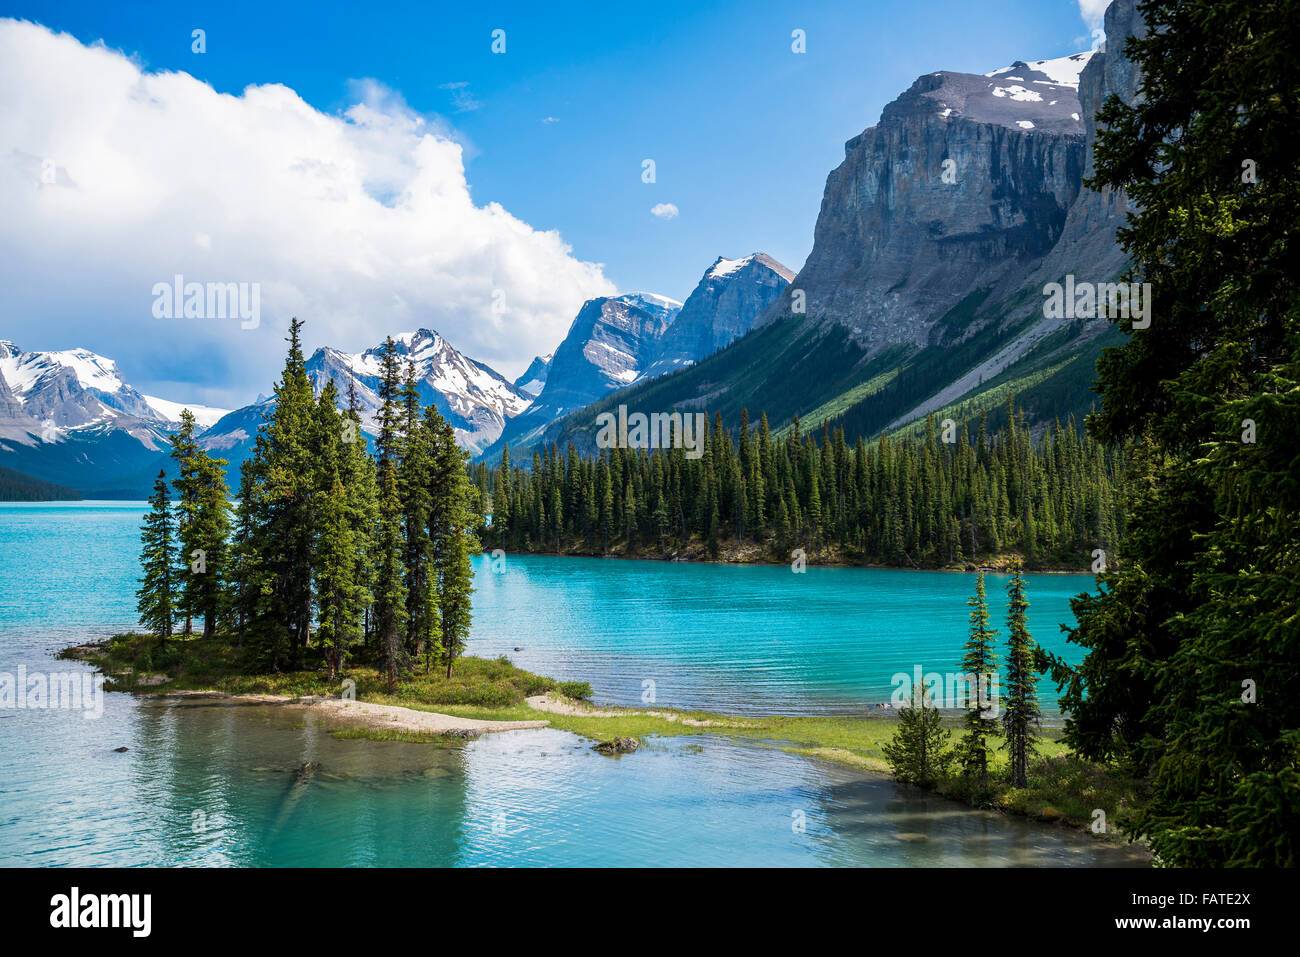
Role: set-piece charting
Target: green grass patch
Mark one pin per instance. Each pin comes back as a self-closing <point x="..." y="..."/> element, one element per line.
<point x="135" y="662"/>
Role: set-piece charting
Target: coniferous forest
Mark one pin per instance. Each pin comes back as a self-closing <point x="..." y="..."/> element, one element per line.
<point x="897" y="501"/>
<point x="329" y="552"/>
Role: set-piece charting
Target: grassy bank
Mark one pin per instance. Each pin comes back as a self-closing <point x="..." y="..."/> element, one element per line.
<point x="1062" y="787"/>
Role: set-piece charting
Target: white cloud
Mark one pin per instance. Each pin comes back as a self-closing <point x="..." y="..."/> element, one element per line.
<point x="1093" y="12"/>
<point x="113" y="179"/>
<point x="664" y="210"/>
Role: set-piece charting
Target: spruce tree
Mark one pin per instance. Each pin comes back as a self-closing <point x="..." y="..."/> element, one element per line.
<point x="203" y="502"/>
<point x="156" y="597"/>
<point x="338" y="596"/>
<point x="918" y="753"/>
<point x="980" y="664"/>
<point x="285" y="473"/>
<point x="454" y="544"/>
<point x="185" y="453"/>
<point x="1192" y="646"/>
<point x="389" y="543"/>
<point x="1020" y="715"/>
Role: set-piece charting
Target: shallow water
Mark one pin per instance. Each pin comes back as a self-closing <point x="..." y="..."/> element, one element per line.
<point x="206" y="783"/>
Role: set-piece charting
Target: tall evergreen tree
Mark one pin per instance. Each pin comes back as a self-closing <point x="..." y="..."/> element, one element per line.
<point x="1020" y="714"/>
<point x="980" y="663"/>
<point x="389" y="544"/>
<point x="203" y="501"/>
<point x="453" y="544"/>
<point x="339" y="597"/>
<point x="157" y="596"/>
<point x="185" y="453"/>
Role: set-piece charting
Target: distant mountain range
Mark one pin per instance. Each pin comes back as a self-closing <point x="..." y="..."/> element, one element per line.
<point x="70" y="418"/>
<point x="923" y="293"/>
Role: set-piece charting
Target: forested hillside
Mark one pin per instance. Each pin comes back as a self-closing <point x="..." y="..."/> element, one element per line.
<point x="951" y="496"/>
<point x="17" y="487"/>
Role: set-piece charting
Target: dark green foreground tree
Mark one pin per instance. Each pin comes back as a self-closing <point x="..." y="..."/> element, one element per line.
<point x="918" y="753"/>
<point x="980" y="663"/>
<point x="1020" y="712"/>
<point x="156" y="598"/>
<point x="1192" y="673"/>
<point x="203" y="528"/>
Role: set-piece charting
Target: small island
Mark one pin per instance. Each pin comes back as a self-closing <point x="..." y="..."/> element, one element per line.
<point x="491" y="695"/>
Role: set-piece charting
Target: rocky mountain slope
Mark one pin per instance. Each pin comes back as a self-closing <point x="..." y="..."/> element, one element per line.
<point x="610" y="342"/>
<point x="924" y="289"/>
<point x="724" y="306"/>
<point x="628" y="340"/>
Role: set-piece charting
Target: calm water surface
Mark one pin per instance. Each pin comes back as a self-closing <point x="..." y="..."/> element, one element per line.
<point x="207" y="783"/>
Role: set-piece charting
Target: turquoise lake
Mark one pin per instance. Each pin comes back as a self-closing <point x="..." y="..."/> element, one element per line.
<point x="209" y="783"/>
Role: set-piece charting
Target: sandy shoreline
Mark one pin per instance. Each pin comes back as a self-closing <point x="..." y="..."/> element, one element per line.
<point x="550" y="705"/>
<point x="374" y="717"/>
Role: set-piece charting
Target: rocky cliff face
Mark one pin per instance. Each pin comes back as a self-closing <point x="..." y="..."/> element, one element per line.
<point x="723" y="307"/>
<point x="965" y="183"/>
<point x="1087" y="245"/>
<point x="610" y="342"/>
<point x="937" y="233"/>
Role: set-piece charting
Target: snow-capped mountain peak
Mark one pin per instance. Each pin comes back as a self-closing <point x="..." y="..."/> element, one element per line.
<point x="534" y="378"/>
<point x="473" y="397"/>
<point x="23" y="371"/>
<point x="724" y="267"/>
<point x="1061" y="71"/>
<point x="652" y="303"/>
<point x="724" y="306"/>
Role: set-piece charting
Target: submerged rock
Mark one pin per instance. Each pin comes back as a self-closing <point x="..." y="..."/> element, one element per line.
<point x="466" y="734"/>
<point x="617" y="746"/>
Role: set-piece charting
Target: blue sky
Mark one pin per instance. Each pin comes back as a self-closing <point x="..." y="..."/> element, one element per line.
<point x="742" y="130"/>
